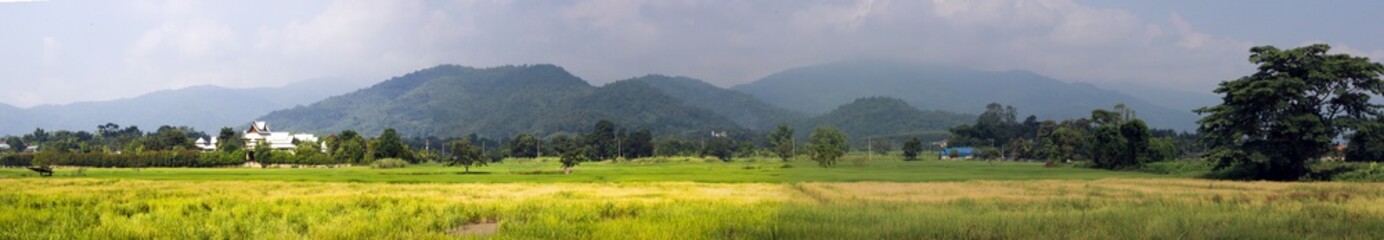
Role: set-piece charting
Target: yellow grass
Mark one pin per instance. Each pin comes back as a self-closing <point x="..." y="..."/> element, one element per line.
<point x="1056" y="209"/>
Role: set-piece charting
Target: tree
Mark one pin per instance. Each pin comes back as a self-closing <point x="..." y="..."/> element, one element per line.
<point x="16" y="144"/>
<point x="1271" y="123"/>
<point x="827" y="145"/>
<point x="572" y="157"/>
<point x="1065" y="144"/>
<point x="1367" y="143"/>
<point x="1136" y="135"/>
<point x="1162" y="149"/>
<point x="308" y="152"/>
<point x="228" y="140"/>
<point x="465" y="154"/>
<point x="349" y="147"/>
<point x="880" y="146"/>
<point x="391" y="146"/>
<point x="524" y="146"/>
<point x="782" y="141"/>
<point x="602" y="140"/>
<point x="263" y="153"/>
<point x="638" y="144"/>
<point x="720" y="147"/>
<point x="1108" y="147"/>
<point x="169" y="138"/>
<point x="911" y="148"/>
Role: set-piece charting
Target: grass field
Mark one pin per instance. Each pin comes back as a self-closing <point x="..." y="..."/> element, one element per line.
<point x="679" y="200"/>
<point x="643" y="170"/>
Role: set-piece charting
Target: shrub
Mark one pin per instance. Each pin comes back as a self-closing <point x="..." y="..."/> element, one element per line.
<point x="1372" y="173"/>
<point x="1188" y="167"/>
<point x="988" y="153"/>
<point x="389" y="163"/>
<point x="16" y="160"/>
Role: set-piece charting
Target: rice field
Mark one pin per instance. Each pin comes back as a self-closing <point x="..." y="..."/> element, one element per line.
<point x="1105" y="208"/>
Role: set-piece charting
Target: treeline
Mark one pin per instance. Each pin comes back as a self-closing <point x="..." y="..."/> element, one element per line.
<point x="1109" y="139"/>
<point x="108" y="137"/>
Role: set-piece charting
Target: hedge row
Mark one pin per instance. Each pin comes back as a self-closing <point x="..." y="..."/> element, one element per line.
<point x="144" y="159"/>
<point x="282" y="157"/>
<point x="16" y="160"/>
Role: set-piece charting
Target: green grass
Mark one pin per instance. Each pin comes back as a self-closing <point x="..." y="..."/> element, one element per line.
<point x="35" y="208"/>
<point x="678" y="198"/>
<point x="644" y="170"/>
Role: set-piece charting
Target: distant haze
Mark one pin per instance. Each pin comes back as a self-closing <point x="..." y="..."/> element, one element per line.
<point x="66" y="51"/>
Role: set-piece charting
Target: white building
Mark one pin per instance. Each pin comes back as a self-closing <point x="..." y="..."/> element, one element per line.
<point x="205" y="145"/>
<point x="259" y="132"/>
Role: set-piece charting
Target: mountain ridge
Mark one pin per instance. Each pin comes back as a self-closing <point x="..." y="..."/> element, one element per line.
<point x="204" y="107"/>
<point x="816" y="89"/>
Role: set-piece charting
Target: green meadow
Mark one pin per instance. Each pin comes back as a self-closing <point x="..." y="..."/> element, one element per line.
<point x="677" y="198"/>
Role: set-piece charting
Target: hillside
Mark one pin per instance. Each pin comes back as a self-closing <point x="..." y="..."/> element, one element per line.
<point x="816" y="89"/>
<point x="452" y="101"/>
<point x="741" y="108"/>
<point x="205" y="108"/>
<point x="885" y="117"/>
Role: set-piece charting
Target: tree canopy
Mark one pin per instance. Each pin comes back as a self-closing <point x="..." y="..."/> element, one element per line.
<point x="828" y="144"/>
<point x="1272" y="122"/>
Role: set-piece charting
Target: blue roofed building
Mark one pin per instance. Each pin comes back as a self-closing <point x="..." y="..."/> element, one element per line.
<point x="960" y="152"/>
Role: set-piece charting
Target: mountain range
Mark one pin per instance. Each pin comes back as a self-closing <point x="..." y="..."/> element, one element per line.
<point x="866" y="98"/>
<point x="817" y="89"/>
<point x="450" y="100"/>
<point x="205" y="108"/>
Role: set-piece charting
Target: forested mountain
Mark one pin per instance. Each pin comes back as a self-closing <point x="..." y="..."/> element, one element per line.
<point x="741" y="108"/>
<point x="453" y="101"/>
<point x="816" y="89"/>
<point x="886" y="117"/>
<point x="205" y="108"/>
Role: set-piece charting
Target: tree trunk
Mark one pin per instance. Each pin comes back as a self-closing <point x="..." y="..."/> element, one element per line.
<point x="567" y="170"/>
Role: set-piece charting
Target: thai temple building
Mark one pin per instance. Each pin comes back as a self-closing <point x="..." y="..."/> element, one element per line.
<point x="259" y="132"/>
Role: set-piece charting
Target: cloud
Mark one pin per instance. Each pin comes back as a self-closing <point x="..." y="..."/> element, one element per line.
<point x="157" y="44"/>
<point x="51" y="46"/>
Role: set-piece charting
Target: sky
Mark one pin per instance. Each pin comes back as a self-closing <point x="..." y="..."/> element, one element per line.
<point x="57" y="52"/>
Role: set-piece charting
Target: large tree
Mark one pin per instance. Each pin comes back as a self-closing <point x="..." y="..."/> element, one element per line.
<point x="638" y="144"/>
<point x="524" y="146"/>
<point x="911" y="148"/>
<point x="571" y="157"/>
<point x="391" y="146"/>
<point x="1367" y="143"/>
<point x="1271" y="123"/>
<point x="602" y="141"/>
<point x="720" y="147"/>
<point x="465" y="154"/>
<point x="782" y="141"/>
<point x="228" y="140"/>
<point x="827" y="145"/>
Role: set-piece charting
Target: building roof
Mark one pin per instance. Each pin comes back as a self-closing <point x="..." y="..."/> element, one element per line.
<point x="258" y="127"/>
<point x="963" y="151"/>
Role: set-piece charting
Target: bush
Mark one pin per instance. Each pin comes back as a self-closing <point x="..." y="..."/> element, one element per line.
<point x="988" y="153"/>
<point x="1187" y="167"/>
<point x="185" y="158"/>
<point x="389" y="163"/>
<point x="1372" y="173"/>
<point x="16" y="160"/>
